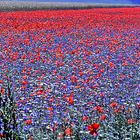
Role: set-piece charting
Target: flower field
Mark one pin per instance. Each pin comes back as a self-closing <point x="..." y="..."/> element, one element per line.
<point x="70" y="74"/>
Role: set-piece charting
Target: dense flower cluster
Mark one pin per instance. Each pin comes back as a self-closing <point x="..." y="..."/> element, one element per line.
<point x="72" y="65"/>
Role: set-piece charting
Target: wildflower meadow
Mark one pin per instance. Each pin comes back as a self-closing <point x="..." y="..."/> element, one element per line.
<point x="70" y="74"/>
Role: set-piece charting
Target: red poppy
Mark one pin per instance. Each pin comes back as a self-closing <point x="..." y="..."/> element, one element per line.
<point x="114" y="104"/>
<point x="70" y="99"/>
<point x="103" y="117"/>
<point x="68" y="132"/>
<point x="2" y="135"/>
<point x="2" y="90"/>
<point x="112" y="65"/>
<point x="1" y="81"/>
<point x="40" y="92"/>
<point x="131" y="121"/>
<point x="117" y="110"/>
<point x="28" y="122"/>
<point x="24" y="82"/>
<point x="102" y="95"/>
<point x="73" y="79"/>
<point x="25" y="77"/>
<point x="85" y="118"/>
<point x="99" y="109"/>
<point x="81" y="73"/>
<point x="54" y="71"/>
<point x="93" y="128"/>
<point x="50" y="108"/>
<point x="125" y="63"/>
<point x="102" y="70"/>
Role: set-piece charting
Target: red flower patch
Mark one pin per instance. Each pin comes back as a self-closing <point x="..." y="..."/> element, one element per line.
<point x="93" y="128"/>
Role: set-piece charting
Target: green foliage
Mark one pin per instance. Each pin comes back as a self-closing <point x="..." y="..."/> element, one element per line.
<point x="8" y="114"/>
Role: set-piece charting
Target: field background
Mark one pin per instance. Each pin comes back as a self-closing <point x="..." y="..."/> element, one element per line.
<point x="69" y="74"/>
<point x="28" y="5"/>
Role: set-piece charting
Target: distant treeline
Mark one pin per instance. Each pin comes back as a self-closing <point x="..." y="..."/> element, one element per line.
<point x="13" y="6"/>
